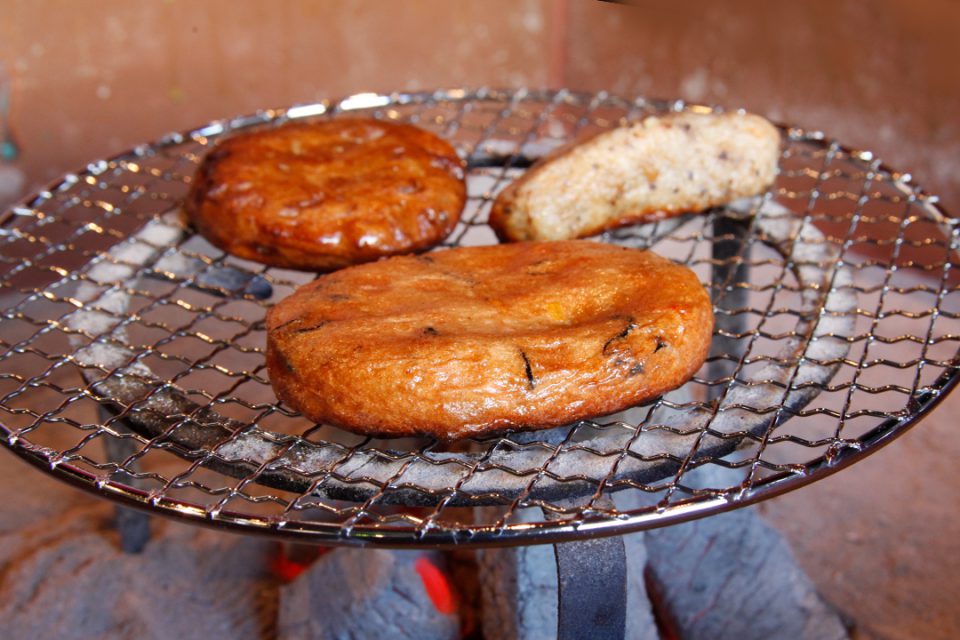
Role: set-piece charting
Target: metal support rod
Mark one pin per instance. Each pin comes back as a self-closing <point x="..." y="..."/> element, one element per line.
<point x="132" y="525"/>
<point x="730" y="269"/>
<point x="591" y="588"/>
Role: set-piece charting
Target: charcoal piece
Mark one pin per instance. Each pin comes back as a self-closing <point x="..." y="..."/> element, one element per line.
<point x="519" y="587"/>
<point x="66" y="577"/>
<point x="133" y="527"/>
<point x="363" y="593"/>
<point x="232" y="281"/>
<point x="733" y="576"/>
<point x="218" y="279"/>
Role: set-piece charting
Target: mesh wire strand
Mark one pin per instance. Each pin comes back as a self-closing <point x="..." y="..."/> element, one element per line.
<point x="133" y="367"/>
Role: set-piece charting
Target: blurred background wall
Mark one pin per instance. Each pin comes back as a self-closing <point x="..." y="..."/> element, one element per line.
<point x="91" y="79"/>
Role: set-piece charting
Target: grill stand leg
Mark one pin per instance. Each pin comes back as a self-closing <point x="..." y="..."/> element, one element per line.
<point x="591" y="588"/>
<point x="132" y="525"/>
<point x="729" y="243"/>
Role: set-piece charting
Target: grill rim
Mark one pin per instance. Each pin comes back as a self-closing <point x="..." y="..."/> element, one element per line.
<point x="540" y="533"/>
<point x="679" y="511"/>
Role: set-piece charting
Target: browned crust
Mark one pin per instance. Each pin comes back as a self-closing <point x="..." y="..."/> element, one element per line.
<point x="483" y="339"/>
<point x="324" y="195"/>
<point x="501" y="218"/>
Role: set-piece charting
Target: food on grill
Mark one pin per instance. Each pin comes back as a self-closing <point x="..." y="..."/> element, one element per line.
<point x="321" y="196"/>
<point x="645" y="171"/>
<point x="476" y="340"/>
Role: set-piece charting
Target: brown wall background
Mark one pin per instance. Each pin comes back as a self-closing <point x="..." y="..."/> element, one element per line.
<point x="90" y="79"/>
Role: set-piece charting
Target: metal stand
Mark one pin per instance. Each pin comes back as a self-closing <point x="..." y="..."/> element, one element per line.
<point x="591" y="588"/>
<point x="731" y="268"/>
<point x="132" y="525"/>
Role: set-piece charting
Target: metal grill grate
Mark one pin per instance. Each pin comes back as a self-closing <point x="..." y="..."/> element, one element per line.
<point x="131" y="351"/>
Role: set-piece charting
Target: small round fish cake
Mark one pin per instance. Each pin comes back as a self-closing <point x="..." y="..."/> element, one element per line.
<point x="324" y="195"/>
<point x="477" y="340"/>
<point x="644" y="171"/>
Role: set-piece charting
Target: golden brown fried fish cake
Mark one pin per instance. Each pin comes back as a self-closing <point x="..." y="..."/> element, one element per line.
<point x="476" y="340"/>
<point x="645" y="171"/>
<point x="324" y="195"/>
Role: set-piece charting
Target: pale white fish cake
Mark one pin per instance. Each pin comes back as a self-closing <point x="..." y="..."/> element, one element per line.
<point x="644" y="171"/>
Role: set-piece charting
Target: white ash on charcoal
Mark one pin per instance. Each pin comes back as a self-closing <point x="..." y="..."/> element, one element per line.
<point x="65" y="576"/>
<point x="352" y="594"/>
<point x="519" y="588"/>
<point x="732" y="576"/>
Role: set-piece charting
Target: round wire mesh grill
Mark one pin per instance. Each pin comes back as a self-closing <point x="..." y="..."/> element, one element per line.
<point x="131" y="351"/>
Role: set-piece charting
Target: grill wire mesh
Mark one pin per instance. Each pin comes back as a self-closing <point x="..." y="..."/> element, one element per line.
<point x="131" y="351"/>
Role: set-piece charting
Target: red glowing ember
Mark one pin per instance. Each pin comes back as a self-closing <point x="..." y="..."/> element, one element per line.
<point x="437" y="586"/>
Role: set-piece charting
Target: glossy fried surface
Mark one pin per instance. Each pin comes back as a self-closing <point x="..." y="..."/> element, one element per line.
<point x="644" y="171"/>
<point x="324" y="195"/>
<point x="475" y="340"/>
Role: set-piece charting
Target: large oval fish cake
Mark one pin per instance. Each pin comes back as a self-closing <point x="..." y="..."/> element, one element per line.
<point x="324" y="195"/>
<point x="644" y="171"/>
<point x="476" y="340"/>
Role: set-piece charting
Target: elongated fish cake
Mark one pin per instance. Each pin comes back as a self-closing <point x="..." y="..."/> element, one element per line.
<point x="325" y="195"/>
<point x="648" y="170"/>
<point x="476" y="340"/>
